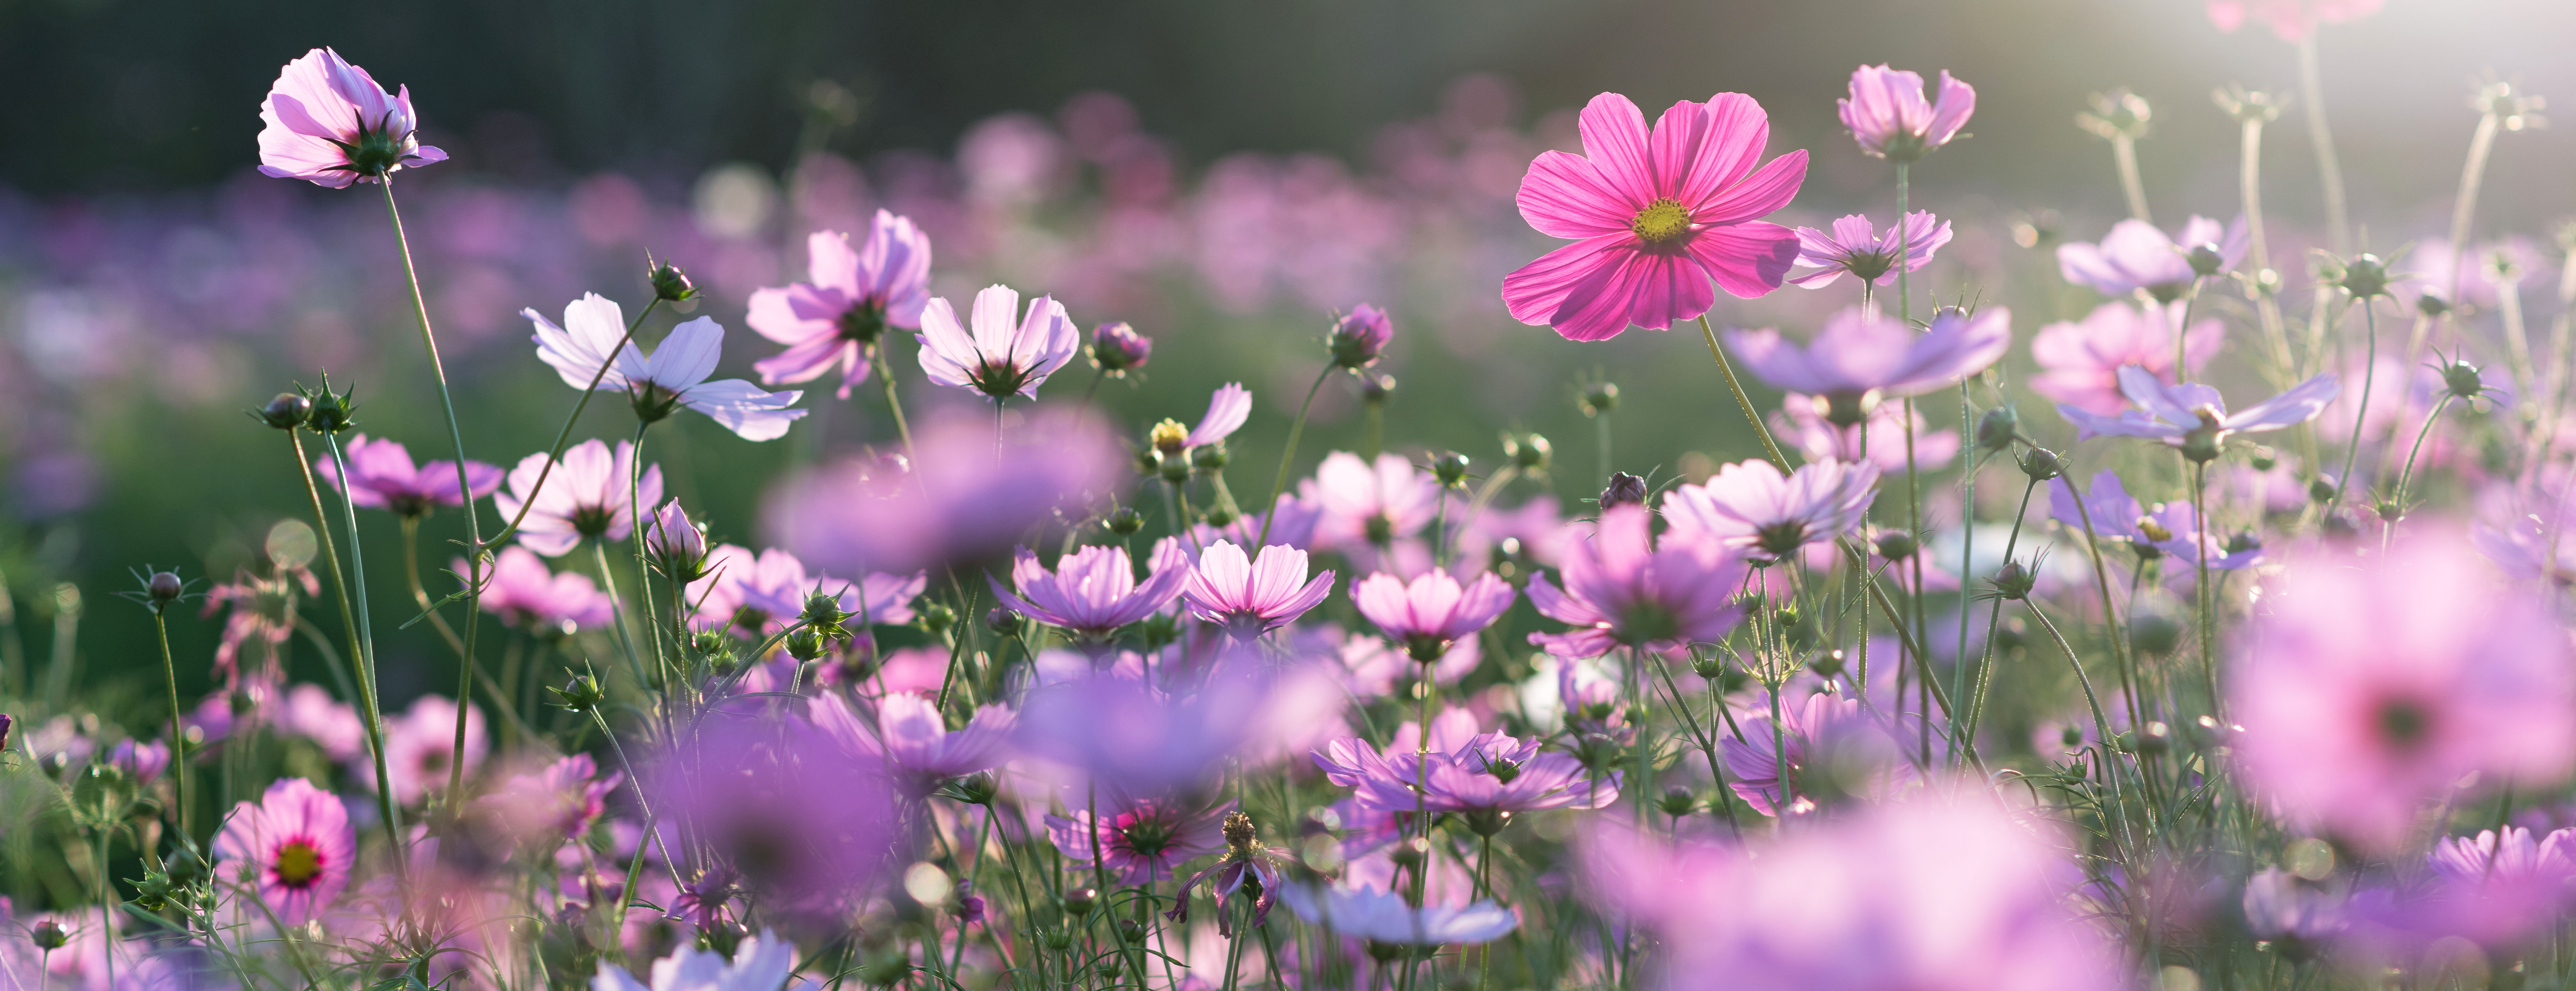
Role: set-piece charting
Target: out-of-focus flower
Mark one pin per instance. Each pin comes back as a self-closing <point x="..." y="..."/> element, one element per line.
<point x="1751" y="505"/>
<point x="1227" y="409"/>
<point x="556" y="804"/>
<point x="2534" y="545"/>
<point x="1654" y="217"/>
<point x="2081" y="360"/>
<point x="854" y="297"/>
<point x="2171" y="529"/>
<point x="1007" y="354"/>
<point x="1117" y="348"/>
<point x="328" y="123"/>
<point x="1245" y="860"/>
<point x="1861" y="355"/>
<point x="420" y="747"/>
<point x="761" y="595"/>
<point x="1384" y="917"/>
<point x="780" y="803"/>
<point x="2280" y="906"/>
<point x="1487" y="780"/>
<point x="141" y="762"/>
<point x="2368" y="690"/>
<point x="1431" y="611"/>
<point x="1879" y="439"/>
<point x="1093" y="591"/>
<point x="386" y="479"/>
<point x="2494" y="888"/>
<point x="914" y="740"/>
<point x="2136" y="256"/>
<point x="675" y="375"/>
<point x="586" y="496"/>
<point x="1834" y="751"/>
<point x="1370" y="504"/>
<point x="2194" y="417"/>
<point x="294" y="846"/>
<point x="1298" y="514"/>
<point x="965" y="498"/>
<point x="1138" y="840"/>
<point x="1360" y="336"/>
<point x="2291" y="19"/>
<point x="310" y="712"/>
<point x="761" y="963"/>
<point x="1252" y="597"/>
<point x="1855" y="248"/>
<point x="1888" y="115"/>
<point x="1112" y="729"/>
<point x="1620" y="589"/>
<point x="263" y="610"/>
<point x="521" y="589"/>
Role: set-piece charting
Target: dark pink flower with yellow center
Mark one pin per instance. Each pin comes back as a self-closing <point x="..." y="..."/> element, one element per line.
<point x="1655" y="216"/>
<point x="1138" y="840"/>
<point x="293" y="850"/>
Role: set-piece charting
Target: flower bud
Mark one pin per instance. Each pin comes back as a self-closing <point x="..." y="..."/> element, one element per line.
<point x="1149" y="462"/>
<point x="1846" y="409"/>
<point x="1117" y="347"/>
<point x="1624" y="490"/>
<point x="1450" y="469"/>
<point x="677" y="546"/>
<point x="163" y="588"/>
<point x="1528" y="452"/>
<point x="1997" y="428"/>
<point x="804" y="645"/>
<point x="1222" y="515"/>
<point x="2431" y="306"/>
<point x="1709" y="666"/>
<point x="2322" y="489"/>
<point x="975" y="789"/>
<point x="2201" y="446"/>
<point x="2014" y="581"/>
<point x="1169" y="438"/>
<point x="285" y="412"/>
<point x="580" y="695"/>
<point x="1004" y="622"/>
<point x="333" y="412"/>
<point x="1896" y="545"/>
<point x="1209" y="457"/>
<point x="2071" y="737"/>
<point x="1787" y="615"/>
<point x="1078" y="901"/>
<point x="1827" y="665"/>
<point x="2389" y="511"/>
<point x="2461" y="379"/>
<point x="1125" y="521"/>
<point x="935" y="618"/>
<point x="1358" y="338"/>
<point x="2364" y="276"/>
<point x="670" y="285"/>
<point x="49" y="935"/>
<point x="1677" y="802"/>
<point x="2042" y="464"/>
<point x="1600" y="397"/>
<point x="2154" y="633"/>
<point x="824" y="616"/>
<point x="2206" y="261"/>
<point x="1174" y="469"/>
<point x="2264" y="459"/>
<point x="1375" y="388"/>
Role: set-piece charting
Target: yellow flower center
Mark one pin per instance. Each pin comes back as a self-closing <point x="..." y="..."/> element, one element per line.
<point x="298" y="863"/>
<point x="1662" y="221"/>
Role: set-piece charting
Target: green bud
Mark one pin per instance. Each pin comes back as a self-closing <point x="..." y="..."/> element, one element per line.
<point x="1125" y="521"/>
<point x="2461" y="379"/>
<point x="2364" y="276"/>
<point x="1450" y="469"/>
<point x="580" y="695"/>
<point x="1896" y="545"/>
<point x="1209" y="457"/>
<point x="2042" y="464"/>
<point x="1997" y="428"/>
<point x="1528" y="452"/>
<point x="1677" y="802"/>
<point x="285" y="412"/>
<point x="1600" y="397"/>
<point x="332" y="412"/>
<point x="671" y="285"/>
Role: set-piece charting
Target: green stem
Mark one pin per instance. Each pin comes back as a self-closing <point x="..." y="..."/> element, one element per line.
<point x="2352" y="450"/>
<point x="2408" y="475"/>
<point x="178" y="739"/>
<point x="2201" y="591"/>
<point x="894" y="407"/>
<point x="1287" y="459"/>
<point x="2182" y="332"/>
<point x="369" y="708"/>
<point x="1986" y="656"/>
<point x="2124" y="154"/>
<point x="2329" y="172"/>
<point x="1770" y="448"/>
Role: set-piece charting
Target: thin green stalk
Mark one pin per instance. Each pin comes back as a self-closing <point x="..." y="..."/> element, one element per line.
<point x="2101" y="723"/>
<point x="2312" y="91"/>
<point x="369" y="709"/>
<point x="1770" y="448"/>
<point x="1288" y="459"/>
<point x="2200" y="590"/>
<point x="2182" y="332"/>
<point x="2267" y="310"/>
<point x="1986" y="657"/>
<point x="178" y="739"/>
<point x="894" y="406"/>
<point x="2352" y="450"/>
<point x="1601" y="436"/>
<point x="2464" y="206"/>
<point x="2389" y="528"/>
<point x="106" y="908"/>
<point x="2124" y="154"/>
<point x="563" y="435"/>
<point x="2120" y="650"/>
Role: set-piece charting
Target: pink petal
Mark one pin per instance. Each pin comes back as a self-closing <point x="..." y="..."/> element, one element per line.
<point x="1615" y="139"/>
<point x="1536" y="292"/>
<point x="1747" y="259"/>
<point x="1734" y="130"/>
<point x="1759" y="195"/>
<point x="1567" y="196"/>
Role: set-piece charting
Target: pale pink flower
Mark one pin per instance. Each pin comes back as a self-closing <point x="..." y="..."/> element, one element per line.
<point x="296" y="846"/>
<point x="1093" y="591"/>
<point x="2080" y="361"/>
<point x="761" y="963"/>
<point x="328" y="123"/>
<point x="1371" y="504"/>
<point x="2194" y="417"/>
<point x="1861" y="355"/>
<point x="1006" y="354"/>
<point x="1751" y="505"/>
<point x="1855" y="248"/>
<point x="1252" y="597"/>
<point x="556" y="804"/>
<point x="675" y="375"/>
<point x="386" y="479"/>
<point x="1227" y="409"/>
<point x="912" y="737"/>
<point x="420" y="747"/>
<point x="854" y="296"/>
<point x="1433" y="610"/>
<point x="522" y="590"/>
<point x="1620" y="589"/>
<point x="2290" y="19"/>
<point x="585" y="497"/>
<point x="1878" y="439"/>
<point x="2136" y="257"/>
<point x="1888" y="115"/>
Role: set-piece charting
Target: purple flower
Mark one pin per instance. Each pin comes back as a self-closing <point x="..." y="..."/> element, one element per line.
<point x="913" y="739"/>
<point x="1245" y="860"/>
<point x="2194" y="417"/>
<point x="781" y="804"/>
<point x="1371" y="505"/>
<point x="2527" y="538"/>
<point x="2494" y="889"/>
<point x="296" y="843"/>
<point x="2136" y="256"/>
<point x="675" y="375"/>
<point x="1854" y="248"/>
<point x="328" y="123"/>
<point x="1888" y="115"/>
<point x="1252" y="597"/>
<point x="757" y="596"/>
<point x="386" y="479"/>
<point x="1227" y="409"/>
<point x="1749" y="504"/>
<point x="1138" y="840"/>
<point x="1861" y="355"/>
<point x="2278" y="905"/>
<point x="677" y="546"/>
<point x="141" y="762"/>
<point x="557" y="804"/>
<point x="520" y="589"/>
<point x="761" y="963"/>
<point x="2172" y="529"/>
<point x="586" y="497"/>
<point x="2081" y="361"/>
<point x="1433" y="610"/>
<point x="1006" y="354"/>
<point x="1117" y="348"/>
<point x="965" y="498"/>
<point x="1491" y="778"/>
<point x="1380" y="916"/>
<point x="1622" y="590"/>
<point x="1359" y="337"/>
<point x="1093" y="591"/>
<point x="1878" y="439"/>
<point x="1834" y="749"/>
<point x="1654" y="217"/>
<point x="853" y="298"/>
<point x="1113" y="729"/>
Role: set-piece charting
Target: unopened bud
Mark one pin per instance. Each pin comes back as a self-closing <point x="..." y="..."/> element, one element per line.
<point x="1222" y="515"/>
<point x="1003" y="622"/>
<point x="1079" y="901"/>
<point x="935" y="618"/>
<point x="580" y="695"/>
<point x="2154" y="633"/>
<point x="2042" y="464"/>
<point x="1450" y="469"/>
<point x="332" y="412"/>
<point x="1175" y="469"/>
<point x="1677" y="802"/>
<point x="975" y="789"/>
<point x="1375" y="388"/>
<point x="670" y="285"/>
<point x="48" y="934"/>
<point x="804" y="645"/>
<point x="285" y="412"/>
<point x="164" y="587"/>
<point x="1997" y="428"/>
<point x="1829" y="665"/>
<point x="1169" y="437"/>
<point x="2461" y="379"/>
<point x="1600" y="397"/>
<point x="1624" y="490"/>
<point x="1528" y="452"/>
<point x="1896" y="545"/>
<point x="2013" y="581"/>
<point x="1117" y="347"/>
<point x="2431" y="305"/>
<point x="2206" y="261"/>
<point x="2264" y="459"/>
<point x="1358" y="338"/>
<point x="2364" y="276"/>
<point x="1209" y="457"/>
<point x="1707" y="665"/>
<point x="2322" y="489"/>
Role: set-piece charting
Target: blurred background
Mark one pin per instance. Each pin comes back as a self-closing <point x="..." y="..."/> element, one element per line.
<point x="1224" y="176"/>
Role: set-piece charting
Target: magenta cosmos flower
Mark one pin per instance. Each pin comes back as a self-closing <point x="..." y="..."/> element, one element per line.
<point x="585" y="497"/>
<point x="2137" y="257"/>
<point x="1118" y="349"/>
<point x="2291" y="19"/>
<point x="2081" y="360"/>
<point x="1855" y="249"/>
<point x="1888" y="115"/>
<point x="855" y="295"/>
<point x="2367" y="690"/>
<point x="328" y="123"/>
<point x="524" y="592"/>
<point x="675" y="375"/>
<point x="1751" y="505"/>
<point x="1252" y="597"/>
<point x="1138" y="840"/>
<point x="1370" y="504"/>
<point x="1093" y="591"/>
<point x="1431" y="611"/>
<point x="2194" y="417"/>
<point x="296" y="847"/>
<point x="1655" y="216"/>
<point x="1861" y="356"/>
<point x="381" y="476"/>
<point x="1622" y="590"/>
<point x="420" y="747"/>
<point x="1007" y="354"/>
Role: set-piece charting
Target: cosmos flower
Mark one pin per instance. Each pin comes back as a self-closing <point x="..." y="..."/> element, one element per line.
<point x="1252" y="597"/>
<point x="755" y="596"/>
<point x="1112" y="729"/>
<point x="263" y="611"/>
<point x="556" y="804"/>
<point x="522" y="590"/>
<point x="1834" y="749"/>
<point x="1654" y="216"/>
<point x="914" y="740"/>
<point x="854" y="296"/>
<point x="142" y="762"/>
<point x="1750" y="504"/>
<point x="2527" y="537"/>
<point x="964" y="498"/>
<point x="1227" y="409"/>
<point x="295" y="845"/>
<point x="2368" y="688"/>
<point x="1360" y="336"/>
<point x="1888" y="115"/>
<point x="2194" y="417"/>
<point x="1433" y="610"/>
<point x="2292" y="20"/>
<point x="385" y="478"/>
<point x="1246" y="860"/>
<point x="2080" y="361"/>
<point x="1381" y="916"/>
<point x="1093" y="591"/>
<point x="1006" y="354"/>
<point x="677" y="546"/>
<point x="1117" y="348"/>
<point x="2137" y="257"/>
<point x="1138" y="840"/>
<point x="1370" y="503"/>
<point x="1620" y="589"/>
<point x="585" y="497"/>
<point x="2170" y="530"/>
<point x="1878" y="439"/>
<point x="675" y="375"/>
<point x="420" y="747"/>
<point x="1861" y="356"/>
<point x="328" y="123"/>
<point x="780" y="805"/>
<point x="1855" y="248"/>
<point x="761" y="963"/>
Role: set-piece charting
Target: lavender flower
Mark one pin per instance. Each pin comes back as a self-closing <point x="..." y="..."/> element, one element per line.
<point x="586" y="497"/>
<point x="913" y="739"/>
<point x="328" y="123"/>
<point x="1860" y="356"/>
<point x="381" y="476"/>
<point x="675" y="375"/>
<point x="1855" y="248"/>
<point x="1252" y="597"/>
<point x="1006" y="355"/>
<point x="1888" y="115"/>
<point x="1381" y="916"/>
<point x="2194" y="418"/>
<point x="2137" y="257"/>
<point x="1750" y="504"/>
<point x="854" y="296"/>
<point x="963" y="499"/>
<point x="1620" y="589"/>
<point x="1430" y="612"/>
<point x="1093" y="591"/>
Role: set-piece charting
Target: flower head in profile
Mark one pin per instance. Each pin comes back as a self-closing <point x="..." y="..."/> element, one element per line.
<point x="2194" y="417"/>
<point x="1879" y="438"/>
<point x="854" y="296"/>
<point x="1250" y="596"/>
<point x="382" y="476"/>
<point x="1118" y="349"/>
<point x="1854" y="248"/>
<point x="1751" y="505"/>
<point x="913" y="739"/>
<point x="1247" y="864"/>
<point x="761" y="963"/>
<point x="586" y="497"/>
<point x="2368" y="690"/>
<point x="964" y="498"/>
<point x="1139" y="840"/>
<point x="1093" y="591"/>
<point x="674" y="376"/>
<point x="555" y="804"/>
<point x="1621" y="589"/>
<point x="1655" y="216"/>
<point x="1382" y="916"/>
<point x="522" y="590"/>
<point x="328" y="123"/>
<point x="2137" y="257"/>
<point x="1861" y="356"/>
<point x="761" y="595"/>
<point x="2080" y="360"/>
<point x="2168" y="530"/>
<point x="1359" y="336"/>
<point x="676" y="545"/>
<point x="294" y="844"/>
<point x="1227" y="409"/>
<point x="142" y="762"/>
<point x="1834" y="750"/>
<point x="1888" y="115"/>
<point x="1432" y="610"/>
<point x="1006" y="354"/>
<point x="2292" y="20"/>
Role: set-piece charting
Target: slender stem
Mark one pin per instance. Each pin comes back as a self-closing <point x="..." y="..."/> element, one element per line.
<point x="2352" y="450"/>
<point x="1904" y="249"/>
<point x="2518" y="342"/>
<point x="1770" y="448"/>
<point x="2182" y="332"/>
<point x="2121" y="651"/>
<point x="369" y="708"/>
<point x="1288" y="458"/>
<point x="2101" y="723"/>
<point x="1707" y="740"/>
<point x="178" y="739"/>
<point x="2408" y="475"/>
<point x="563" y="435"/>
<point x="2464" y="207"/>
<point x="1601" y="433"/>
<point x="2124" y="153"/>
<point x="2267" y="309"/>
<point x="1093" y="389"/>
<point x="106" y="908"/>
<point x="894" y="406"/>
<point x="2312" y="90"/>
<point x="2200" y="590"/>
<point x="1986" y="658"/>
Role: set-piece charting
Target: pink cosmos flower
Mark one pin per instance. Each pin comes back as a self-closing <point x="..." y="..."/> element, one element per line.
<point x="780" y="805"/>
<point x="2171" y="529"/>
<point x="1888" y="115"/>
<point x="585" y="497"/>
<point x="1250" y="596"/>
<point x="1007" y="354"/>
<point x="2291" y="19"/>
<point x="1834" y="749"/>
<point x="760" y="595"/>
<point x="1138" y="840"/>
<point x="1860" y="356"/>
<point x="1491" y="778"/>
<point x="523" y="591"/>
<point x="2138" y="257"/>
<point x="675" y="375"/>
<point x="1855" y="248"/>
<point x="2368" y="689"/>
<point x="556" y="804"/>
<point x="1382" y="916"/>
<point x="963" y="499"/>
<point x="2194" y="417"/>
<point x="1654" y="216"/>
<point x="1227" y="409"/>
<point x="296" y="845"/>
<point x="854" y="297"/>
<point x="1093" y="591"/>
<point x="1298" y="514"/>
<point x="1370" y="504"/>
<point x="328" y="123"/>
<point x="1749" y="504"/>
<point x="1373" y="667"/>
<point x="1114" y="729"/>
<point x="263" y="610"/>
<point x="142" y="762"/>
<point x="1620" y="589"/>
<point x="2081" y="361"/>
<point x="761" y="963"/>
<point x="1878" y="439"/>
<point x="1117" y="348"/>
<point x="386" y="479"/>
<point x="911" y="736"/>
<point x="1429" y="613"/>
<point x="1360" y="336"/>
<point x="310" y="712"/>
<point x="420" y="747"/>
